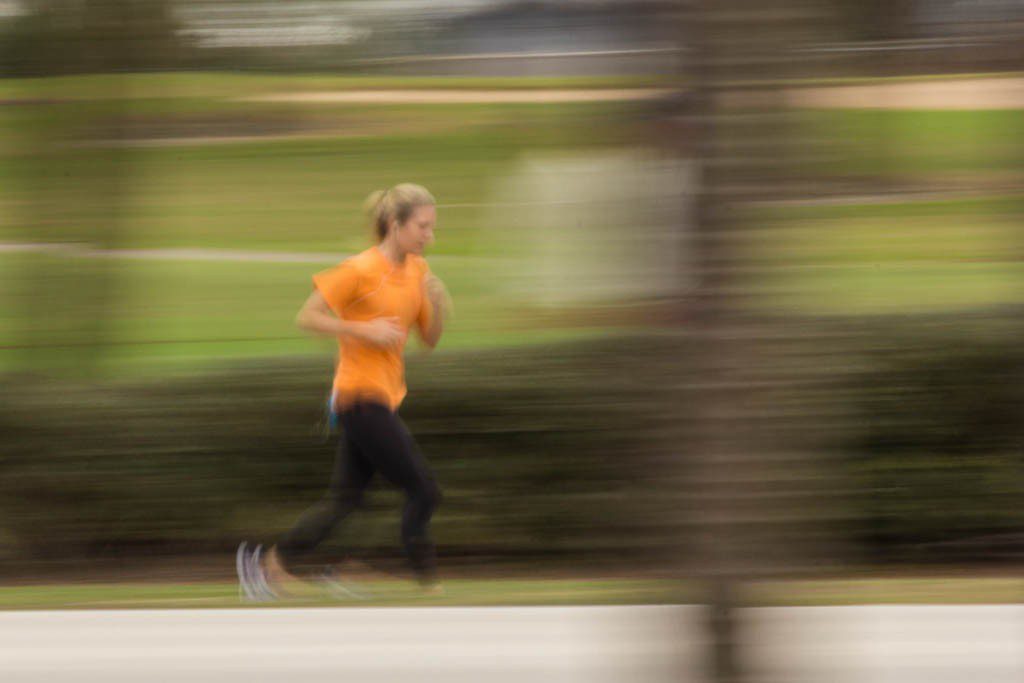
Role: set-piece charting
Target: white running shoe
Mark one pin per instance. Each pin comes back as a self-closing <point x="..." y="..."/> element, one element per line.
<point x="246" y="591"/>
<point x="259" y="576"/>
<point x="252" y="583"/>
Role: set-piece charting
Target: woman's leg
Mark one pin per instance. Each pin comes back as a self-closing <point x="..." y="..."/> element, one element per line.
<point x="383" y="438"/>
<point x="352" y="474"/>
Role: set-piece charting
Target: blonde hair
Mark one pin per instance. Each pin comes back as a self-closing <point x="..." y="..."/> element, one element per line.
<point x="398" y="203"/>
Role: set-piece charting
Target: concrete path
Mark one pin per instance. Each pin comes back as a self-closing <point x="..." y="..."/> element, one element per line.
<point x="870" y="644"/>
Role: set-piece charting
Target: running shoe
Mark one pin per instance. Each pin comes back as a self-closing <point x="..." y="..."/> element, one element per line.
<point x="252" y="582"/>
<point x="246" y="590"/>
<point x="259" y="577"/>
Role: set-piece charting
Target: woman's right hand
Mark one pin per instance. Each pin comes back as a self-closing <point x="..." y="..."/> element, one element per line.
<point x="383" y="332"/>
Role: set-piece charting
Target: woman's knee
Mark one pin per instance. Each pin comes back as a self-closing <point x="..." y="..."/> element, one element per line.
<point x="435" y="495"/>
<point x="427" y="495"/>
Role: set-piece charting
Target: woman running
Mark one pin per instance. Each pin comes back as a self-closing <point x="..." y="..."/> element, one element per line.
<point x="369" y="302"/>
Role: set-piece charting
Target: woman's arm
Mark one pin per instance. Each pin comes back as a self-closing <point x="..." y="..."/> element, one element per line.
<point x="440" y="305"/>
<point x="316" y="317"/>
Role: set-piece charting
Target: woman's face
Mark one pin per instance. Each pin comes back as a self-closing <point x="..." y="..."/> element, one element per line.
<point x="417" y="233"/>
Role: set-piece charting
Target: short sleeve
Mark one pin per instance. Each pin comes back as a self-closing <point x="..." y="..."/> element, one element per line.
<point x="337" y="286"/>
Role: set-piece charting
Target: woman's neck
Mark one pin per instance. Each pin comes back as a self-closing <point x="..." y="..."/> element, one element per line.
<point x="392" y="252"/>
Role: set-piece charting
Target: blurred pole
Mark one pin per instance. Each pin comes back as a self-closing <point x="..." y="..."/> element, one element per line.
<point x="709" y="315"/>
<point x="747" y="150"/>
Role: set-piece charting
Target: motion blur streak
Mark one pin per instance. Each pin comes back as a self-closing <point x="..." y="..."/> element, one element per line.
<point x="737" y="315"/>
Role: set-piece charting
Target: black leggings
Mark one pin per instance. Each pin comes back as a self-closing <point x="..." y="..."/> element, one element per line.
<point x="375" y="440"/>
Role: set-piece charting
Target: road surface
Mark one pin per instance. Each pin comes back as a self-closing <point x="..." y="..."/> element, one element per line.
<point x="650" y="644"/>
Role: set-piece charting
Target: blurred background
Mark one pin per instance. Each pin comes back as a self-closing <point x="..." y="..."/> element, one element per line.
<point x="738" y="288"/>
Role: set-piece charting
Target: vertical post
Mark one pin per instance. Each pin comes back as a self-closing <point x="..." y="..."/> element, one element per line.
<point x="709" y="316"/>
<point x="740" y="52"/>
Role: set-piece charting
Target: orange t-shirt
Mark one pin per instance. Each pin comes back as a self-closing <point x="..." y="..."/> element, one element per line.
<point x="364" y="287"/>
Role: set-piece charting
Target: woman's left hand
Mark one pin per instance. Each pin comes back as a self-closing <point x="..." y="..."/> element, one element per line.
<point x="438" y="295"/>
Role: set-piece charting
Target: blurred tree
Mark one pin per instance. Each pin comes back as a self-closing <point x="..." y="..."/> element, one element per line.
<point x="74" y="167"/>
<point x="878" y="19"/>
<point x="54" y="37"/>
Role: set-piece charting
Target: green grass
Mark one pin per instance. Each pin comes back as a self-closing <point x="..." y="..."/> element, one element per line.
<point x="891" y="289"/>
<point x="292" y="194"/>
<point x="306" y="194"/>
<point x="180" y="315"/>
<point x="886" y="591"/>
<point x="897" y="209"/>
<point x="481" y="592"/>
<point x="920" y="143"/>
<point x="879" y="241"/>
<point x="163" y="315"/>
<point x="888" y="258"/>
<point x="272" y="195"/>
<point x="384" y="593"/>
